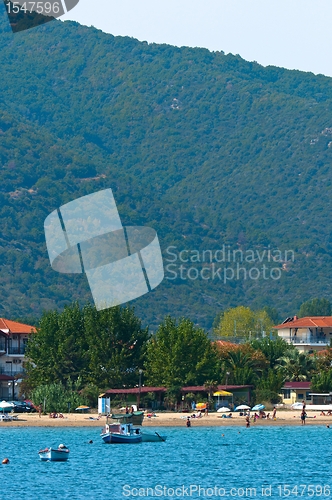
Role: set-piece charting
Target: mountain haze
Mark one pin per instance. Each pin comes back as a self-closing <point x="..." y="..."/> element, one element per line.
<point x="207" y="148"/>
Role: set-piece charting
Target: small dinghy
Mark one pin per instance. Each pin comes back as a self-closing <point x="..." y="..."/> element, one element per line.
<point x="60" y="454"/>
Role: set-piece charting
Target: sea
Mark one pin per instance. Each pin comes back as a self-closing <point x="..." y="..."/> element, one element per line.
<point x="202" y="462"/>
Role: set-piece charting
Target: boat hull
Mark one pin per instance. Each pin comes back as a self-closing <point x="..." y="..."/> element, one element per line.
<point x="152" y="438"/>
<point x="112" y="438"/>
<point x="54" y="455"/>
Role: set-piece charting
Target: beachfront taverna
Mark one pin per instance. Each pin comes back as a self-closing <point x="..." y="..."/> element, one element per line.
<point x="309" y="334"/>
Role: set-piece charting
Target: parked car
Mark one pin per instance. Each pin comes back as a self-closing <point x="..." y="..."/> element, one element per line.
<point x="20" y="407"/>
<point x="30" y="404"/>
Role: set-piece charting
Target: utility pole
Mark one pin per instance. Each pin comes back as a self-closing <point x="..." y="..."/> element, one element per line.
<point x="139" y="388"/>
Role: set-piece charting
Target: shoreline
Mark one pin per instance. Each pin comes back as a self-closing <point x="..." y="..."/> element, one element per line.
<point x="284" y="418"/>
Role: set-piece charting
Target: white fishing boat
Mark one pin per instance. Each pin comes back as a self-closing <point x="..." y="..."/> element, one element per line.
<point x="60" y="454"/>
<point x="121" y="433"/>
<point x="127" y="433"/>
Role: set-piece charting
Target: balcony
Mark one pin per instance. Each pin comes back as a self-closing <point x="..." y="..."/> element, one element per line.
<point x="309" y="340"/>
<point x="18" y="351"/>
<point x="16" y="370"/>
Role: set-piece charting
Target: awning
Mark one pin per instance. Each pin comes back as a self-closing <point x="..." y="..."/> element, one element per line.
<point x="222" y="393"/>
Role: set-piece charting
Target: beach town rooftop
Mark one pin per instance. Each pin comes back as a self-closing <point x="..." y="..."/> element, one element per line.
<point x="13" y="327"/>
<point x="308" y="334"/>
<point x="307" y="322"/>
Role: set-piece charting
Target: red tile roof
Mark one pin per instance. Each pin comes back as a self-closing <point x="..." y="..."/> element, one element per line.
<point x="202" y="388"/>
<point x="308" y="322"/>
<point x="297" y="385"/>
<point x="8" y="326"/>
<point x="194" y="388"/>
<point x="136" y="390"/>
<point x="228" y="345"/>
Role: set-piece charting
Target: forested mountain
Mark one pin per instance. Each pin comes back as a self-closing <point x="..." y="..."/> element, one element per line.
<point x="207" y="148"/>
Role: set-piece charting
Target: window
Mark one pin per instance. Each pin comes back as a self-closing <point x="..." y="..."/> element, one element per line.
<point x="286" y="393"/>
<point x="307" y="396"/>
<point x="300" y="395"/>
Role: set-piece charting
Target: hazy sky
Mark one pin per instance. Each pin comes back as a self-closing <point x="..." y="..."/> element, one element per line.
<point x="295" y="34"/>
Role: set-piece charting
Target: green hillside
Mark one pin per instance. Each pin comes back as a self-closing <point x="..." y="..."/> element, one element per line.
<point x="208" y="149"/>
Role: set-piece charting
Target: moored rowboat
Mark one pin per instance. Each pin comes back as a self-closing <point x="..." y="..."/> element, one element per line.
<point x="60" y="454"/>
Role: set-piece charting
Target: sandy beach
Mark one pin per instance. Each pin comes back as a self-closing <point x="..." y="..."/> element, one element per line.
<point x="164" y="419"/>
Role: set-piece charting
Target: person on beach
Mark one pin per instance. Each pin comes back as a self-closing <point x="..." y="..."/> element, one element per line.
<point x="303" y="416"/>
<point x="247" y="421"/>
<point x="207" y="410"/>
<point x="274" y="414"/>
<point x="188" y="423"/>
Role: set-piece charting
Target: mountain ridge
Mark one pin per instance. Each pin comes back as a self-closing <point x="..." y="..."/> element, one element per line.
<point x="207" y="148"/>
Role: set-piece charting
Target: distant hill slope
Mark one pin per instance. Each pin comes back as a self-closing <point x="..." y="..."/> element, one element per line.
<point x="208" y="149"/>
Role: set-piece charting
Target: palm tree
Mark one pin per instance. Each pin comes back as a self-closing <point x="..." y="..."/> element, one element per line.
<point x="211" y="386"/>
<point x="273" y="349"/>
<point x="239" y="359"/>
<point x="296" y="366"/>
<point x="242" y="367"/>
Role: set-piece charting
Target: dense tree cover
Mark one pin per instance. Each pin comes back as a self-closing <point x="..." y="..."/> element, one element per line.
<point x="315" y="307"/>
<point x="179" y="354"/>
<point x="322" y="382"/>
<point x="82" y="351"/>
<point x="207" y="148"/>
<point x="267" y="364"/>
<point x="103" y="348"/>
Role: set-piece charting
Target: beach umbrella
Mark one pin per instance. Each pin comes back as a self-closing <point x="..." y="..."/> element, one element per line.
<point x="297" y="406"/>
<point x="222" y="393"/>
<point x="258" y="408"/>
<point x="223" y="409"/>
<point x="242" y="407"/>
<point x="4" y="406"/>
<point x="201" y="406"/>
<point x="83" y="408"/>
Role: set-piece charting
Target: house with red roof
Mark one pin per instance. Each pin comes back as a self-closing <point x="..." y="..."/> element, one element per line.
<point x="309" y="334"/>
<point x="296" y="392"/>
<point x="13" y="341"/>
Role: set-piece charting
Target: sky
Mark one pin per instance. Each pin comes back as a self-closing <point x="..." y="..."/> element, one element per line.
<point x="294" y="34"/>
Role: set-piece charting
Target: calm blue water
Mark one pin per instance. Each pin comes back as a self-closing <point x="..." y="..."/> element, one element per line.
<point x="196" y="458"/>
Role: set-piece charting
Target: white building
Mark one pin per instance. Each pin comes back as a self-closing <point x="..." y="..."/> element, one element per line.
<point x="13" y="341"/>
<point x="309" y="334"/>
